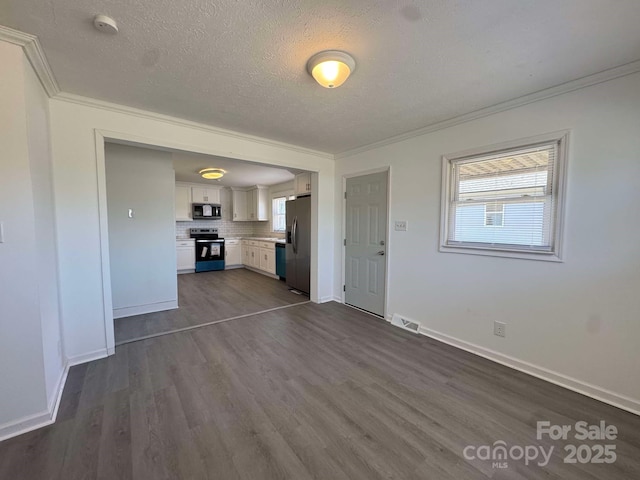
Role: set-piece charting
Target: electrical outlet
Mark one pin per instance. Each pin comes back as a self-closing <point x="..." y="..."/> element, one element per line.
<point x="500" y="329"/>
<point x="401" y="225"/>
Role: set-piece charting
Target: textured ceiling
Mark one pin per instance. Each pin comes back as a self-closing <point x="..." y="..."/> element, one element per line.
<point x="241" y="64"/>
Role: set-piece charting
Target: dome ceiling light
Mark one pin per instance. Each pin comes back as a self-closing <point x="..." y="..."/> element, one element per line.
<point x="331" y="68"/>
<point x="212" y="173"/>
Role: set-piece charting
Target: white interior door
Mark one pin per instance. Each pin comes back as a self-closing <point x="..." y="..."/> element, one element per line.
<point x="366" y="233"/>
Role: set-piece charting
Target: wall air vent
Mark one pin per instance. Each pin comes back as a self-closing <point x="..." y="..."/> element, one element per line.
<point x="405" y="323"/>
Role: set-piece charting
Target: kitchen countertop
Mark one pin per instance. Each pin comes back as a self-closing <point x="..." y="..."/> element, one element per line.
<point x="265" y="239"/>
<point x="260" y="239"/>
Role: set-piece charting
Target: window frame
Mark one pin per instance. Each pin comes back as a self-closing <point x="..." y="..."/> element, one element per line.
<point x="559" y="187"/>
<point x="286" y="194"/>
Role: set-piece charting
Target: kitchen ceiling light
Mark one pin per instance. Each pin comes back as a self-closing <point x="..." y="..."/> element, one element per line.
<point x="212" y="173"/>
<point x="331" y="68"/>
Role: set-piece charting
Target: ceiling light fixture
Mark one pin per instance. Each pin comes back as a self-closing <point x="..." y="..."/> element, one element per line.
<point x="212" y="173"/>
<point x="331" y="68"/>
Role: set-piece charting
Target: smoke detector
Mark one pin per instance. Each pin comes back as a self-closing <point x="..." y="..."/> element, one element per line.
<point x="105" y="24"/>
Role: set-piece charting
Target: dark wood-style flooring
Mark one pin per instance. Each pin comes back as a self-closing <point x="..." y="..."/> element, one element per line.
<point x="209" y="296"/>
<point x="307" y="392"/>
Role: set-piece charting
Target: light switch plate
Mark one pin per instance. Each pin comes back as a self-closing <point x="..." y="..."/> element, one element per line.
<point x="401" y="225"/>
<point x="1" y="232"/>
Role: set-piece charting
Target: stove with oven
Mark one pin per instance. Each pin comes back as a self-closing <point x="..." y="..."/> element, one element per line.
<point x="209" y="249"/>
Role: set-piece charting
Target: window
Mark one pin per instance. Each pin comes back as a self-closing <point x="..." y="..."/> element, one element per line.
<point x="505" y="200"/>
<point x="279" y="213"/>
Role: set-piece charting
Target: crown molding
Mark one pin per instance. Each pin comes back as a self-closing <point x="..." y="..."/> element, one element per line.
<point x="33" y="51"/>
<point x="600" y="77"/>
<point x="180" y="122"/>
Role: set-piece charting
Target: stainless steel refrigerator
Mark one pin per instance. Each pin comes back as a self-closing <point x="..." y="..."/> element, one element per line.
<point x="298" y="249"/>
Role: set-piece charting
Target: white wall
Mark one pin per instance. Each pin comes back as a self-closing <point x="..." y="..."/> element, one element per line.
<point x="578" y="319"/>
<point x="30" y="364"/>
<point x="142" y="249"/>
<point x="76" y="168"/>
<point x="39" y="143"/>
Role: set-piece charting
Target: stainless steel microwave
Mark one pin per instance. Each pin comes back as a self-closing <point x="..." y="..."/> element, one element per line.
<point x="206" y="211"/>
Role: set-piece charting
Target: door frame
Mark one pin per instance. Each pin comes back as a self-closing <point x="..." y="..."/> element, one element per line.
<point x="361" y="173"/>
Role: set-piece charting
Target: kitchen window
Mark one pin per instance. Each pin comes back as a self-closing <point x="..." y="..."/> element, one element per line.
<point x="279" y="213"/>
<point x="518" y="187"/>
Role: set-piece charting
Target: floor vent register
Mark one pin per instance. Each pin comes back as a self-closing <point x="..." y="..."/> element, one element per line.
<point x="404" y="323"/>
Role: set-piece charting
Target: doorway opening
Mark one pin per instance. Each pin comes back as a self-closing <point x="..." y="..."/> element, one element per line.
<point x="198" y="298"/>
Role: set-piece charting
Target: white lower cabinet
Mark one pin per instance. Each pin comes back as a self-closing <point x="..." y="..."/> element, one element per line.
<point x="268" y="259"/>
<point x="250" y="256"/>
<point x="259" y="255"/>
<point x="233" y="254"/>
<point x="185" y="256"/>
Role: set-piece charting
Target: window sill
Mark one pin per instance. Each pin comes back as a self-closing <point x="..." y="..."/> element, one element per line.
<point x="494" y="252"/>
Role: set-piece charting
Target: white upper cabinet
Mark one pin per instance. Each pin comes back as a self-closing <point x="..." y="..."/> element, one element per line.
<point x="183" y="203"/>
<point x="239" y="200"/>
<point x="302" y="183"/>
<point x="205" y="194"/>
<point x="257" y="201"/>
<point x="251" y="205"/>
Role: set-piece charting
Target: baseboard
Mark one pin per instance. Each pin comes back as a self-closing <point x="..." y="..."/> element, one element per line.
<point x="37" y="420"/>
<point x="90" y="356"/>
<point x="142" y="309"/>
<point x="25" y="424"/>
<point x="597" y="393"/>
<point x="329" y="298"/>
<point x="47" y="417"/>
<point x="55" y="401"/>
<point x="261" y="272"/>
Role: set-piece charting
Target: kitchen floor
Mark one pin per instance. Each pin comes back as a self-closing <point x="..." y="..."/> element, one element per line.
<point x="307" y="392"/>
<point x="208" y="297"/>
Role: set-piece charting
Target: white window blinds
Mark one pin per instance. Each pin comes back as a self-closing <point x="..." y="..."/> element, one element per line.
<point x="505" y="200"/>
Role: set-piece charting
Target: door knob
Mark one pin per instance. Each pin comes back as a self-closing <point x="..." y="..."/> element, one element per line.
<point x="381" y="252"/>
